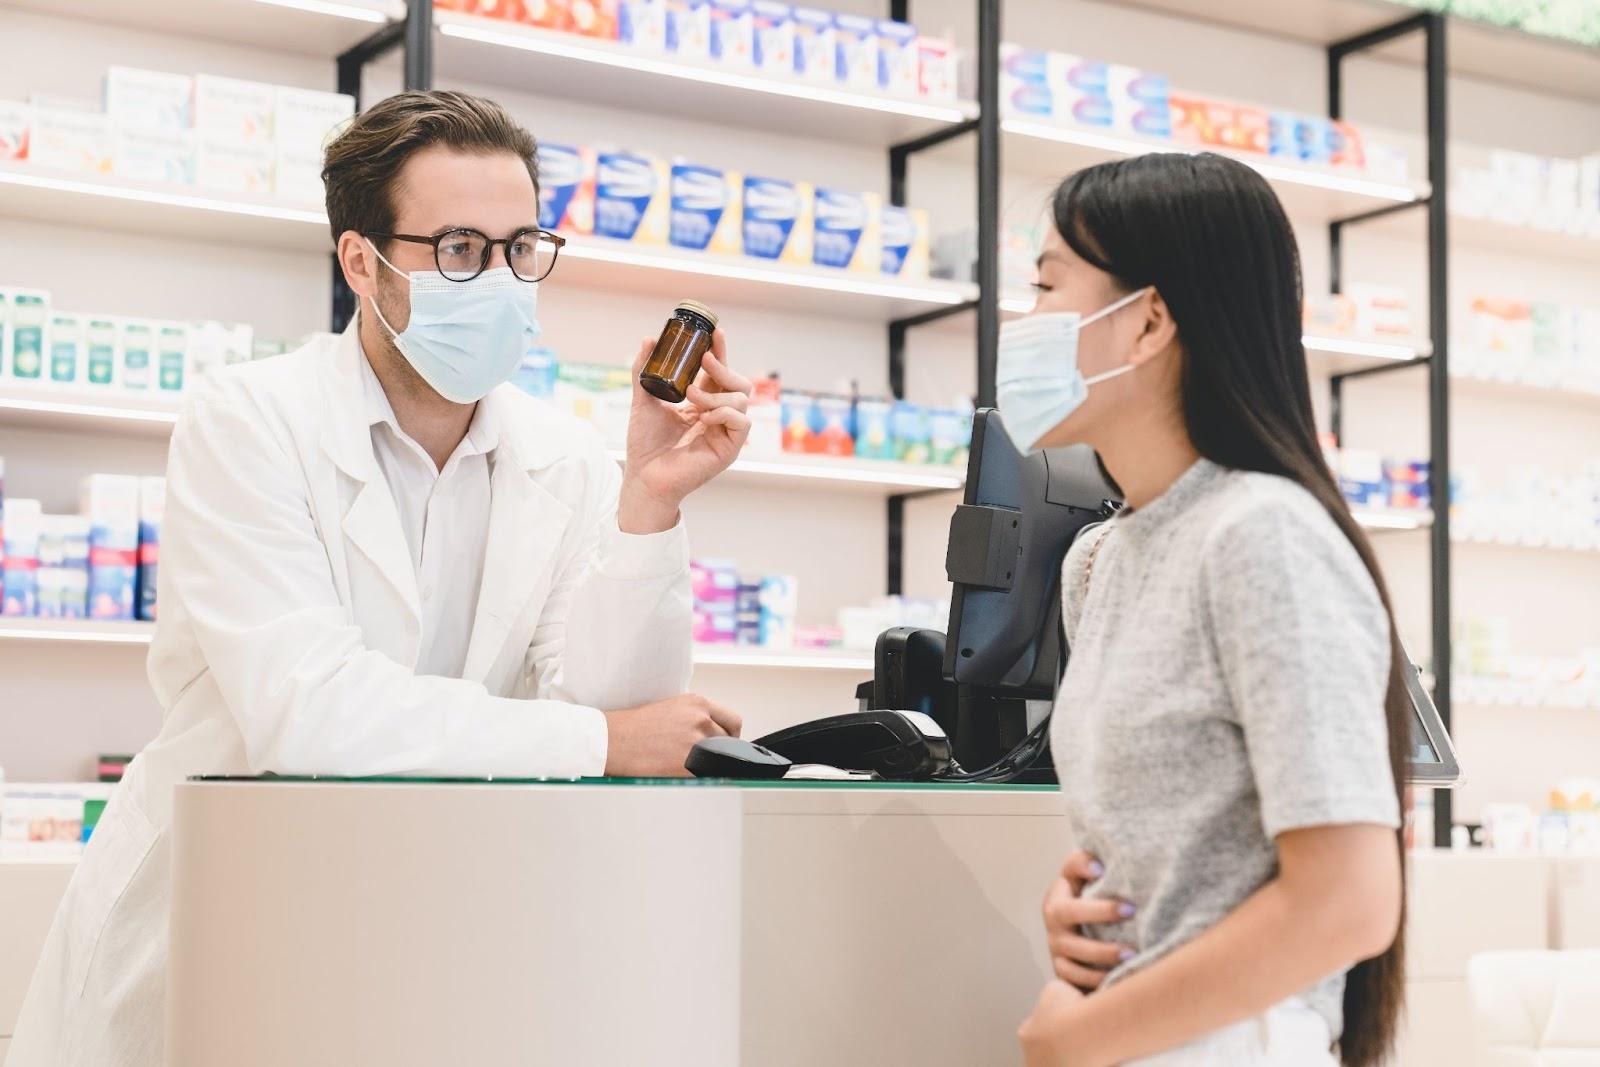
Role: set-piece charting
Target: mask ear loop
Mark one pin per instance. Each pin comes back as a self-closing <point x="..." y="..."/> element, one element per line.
<point x="374" y="300"/>
<point x="1116" y="305"/>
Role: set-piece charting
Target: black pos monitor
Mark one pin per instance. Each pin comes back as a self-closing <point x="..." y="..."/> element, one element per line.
<point x="1005" y="647"/>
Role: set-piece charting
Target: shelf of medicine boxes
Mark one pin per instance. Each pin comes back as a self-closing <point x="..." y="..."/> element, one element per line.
<point x="1042" y="146"/>
<point x="45" y="195"/>
<point x="97" y="632"/>
<point x="322" y="28"/>
<point x="480" y="50"/>
<point x="1476" y="233"/>
<point x="130" y="414"/>
<point x="1506" y="694"/>
<point x="1463" y="531"/>
<point x="1476" y="49"/>
<point x="1332" y="354"/>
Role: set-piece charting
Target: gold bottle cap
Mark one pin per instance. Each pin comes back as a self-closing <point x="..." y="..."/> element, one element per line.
<point x="699" y="309"/>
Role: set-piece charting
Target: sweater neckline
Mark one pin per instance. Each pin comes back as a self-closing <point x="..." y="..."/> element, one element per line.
<point x="1189" y="487"/>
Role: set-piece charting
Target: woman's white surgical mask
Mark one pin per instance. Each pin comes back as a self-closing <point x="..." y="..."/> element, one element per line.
<point x="465" y="338"/>
<point x="1037" y="379"/>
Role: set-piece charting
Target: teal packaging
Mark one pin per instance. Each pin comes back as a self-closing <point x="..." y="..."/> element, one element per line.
<point x="874" y="434"/>
<point x="912" y="432"/>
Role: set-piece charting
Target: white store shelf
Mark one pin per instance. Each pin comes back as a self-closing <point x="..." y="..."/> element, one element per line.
<point x="782" y="659"/>
<point x="1507" y="694"/>
<point x="85" y="631"/>
<point x="599" y="263"/>
<point x="74" y="409"/>
<point x="1377" y="519"/>
<point x="1041" y="146"/>
<point x="1483" y="51"/>
<point x="85" y="200"/>
<point x="322" y="28"/>
<point x="608" y="73"/>
<point x="1522" y="380"/>
<point x="92" y="201"/>
<point x="838" y="474"/>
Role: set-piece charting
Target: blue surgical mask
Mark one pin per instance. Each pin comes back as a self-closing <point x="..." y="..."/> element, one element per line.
<point x="1037" y="379"/>
<point x="465" y="338"/>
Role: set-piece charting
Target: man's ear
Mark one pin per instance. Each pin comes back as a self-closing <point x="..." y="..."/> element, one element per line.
<point x="1157" y="329"/>
<point x="359" y="263"/>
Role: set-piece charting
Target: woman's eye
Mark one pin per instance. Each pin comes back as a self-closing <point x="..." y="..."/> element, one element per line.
<point x="1040" y="287"/>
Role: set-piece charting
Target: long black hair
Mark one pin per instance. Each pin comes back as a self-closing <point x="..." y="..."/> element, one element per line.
<point x="1211" y="237"/>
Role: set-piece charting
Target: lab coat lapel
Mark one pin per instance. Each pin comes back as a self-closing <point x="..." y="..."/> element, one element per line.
<point x="372" y="522"/>
<point x="526" y="527"/>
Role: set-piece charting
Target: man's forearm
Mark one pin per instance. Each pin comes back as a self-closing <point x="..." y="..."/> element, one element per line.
<point x="639" y="512"/>
<point x="1269" y="948"/>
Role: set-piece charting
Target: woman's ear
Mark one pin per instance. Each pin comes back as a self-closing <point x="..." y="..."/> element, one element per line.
<point x="1157" y="330"/>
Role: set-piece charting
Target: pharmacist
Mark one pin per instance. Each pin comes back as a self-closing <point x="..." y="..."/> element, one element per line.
<point x="380" y="559"/>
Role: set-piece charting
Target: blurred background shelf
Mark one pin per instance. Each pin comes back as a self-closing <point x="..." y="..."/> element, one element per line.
<point x="475" y="49"/>
<point x="782" y="658"/>
<point x="86" y="631"/>
<point x="77" y="410"/>
<point x="321" y="28"/>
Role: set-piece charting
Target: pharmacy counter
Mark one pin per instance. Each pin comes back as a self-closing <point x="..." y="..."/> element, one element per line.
<point x="419" y="923"/>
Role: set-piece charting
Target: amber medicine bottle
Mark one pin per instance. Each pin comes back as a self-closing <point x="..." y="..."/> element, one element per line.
<point x="684" y="341"/>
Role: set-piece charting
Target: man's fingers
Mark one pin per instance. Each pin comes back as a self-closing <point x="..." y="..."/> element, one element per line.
<point x="734" y="421"/>
<point x="1088" y="951"/>
<point x="724" y="375"/>
<point x="1085" y="978"/>
<point x="700" y="398"/>
<point x="1081" y="867"/>
<point x="727" y="719"/>
<point x="646" y="346"/>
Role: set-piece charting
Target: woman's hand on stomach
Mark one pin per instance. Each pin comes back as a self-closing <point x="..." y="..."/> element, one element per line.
<point x="1078" y="959"/>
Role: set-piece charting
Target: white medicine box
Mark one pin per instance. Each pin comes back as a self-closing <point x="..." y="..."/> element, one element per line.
<point x="234" y="110"/>
<point x="149" y="99"/>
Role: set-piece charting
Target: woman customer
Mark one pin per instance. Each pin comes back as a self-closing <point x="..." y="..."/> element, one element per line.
<point x="1230" y="729"/>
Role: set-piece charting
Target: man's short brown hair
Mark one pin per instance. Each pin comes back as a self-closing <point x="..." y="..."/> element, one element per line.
<point x="363" y="163"/>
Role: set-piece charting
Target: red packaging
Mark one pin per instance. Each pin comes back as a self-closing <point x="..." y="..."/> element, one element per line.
<point x="1344" y="146"/>
<point x="595" y="18"/>
<point x="551" y="14"/>
<point x="1251" y="130"/>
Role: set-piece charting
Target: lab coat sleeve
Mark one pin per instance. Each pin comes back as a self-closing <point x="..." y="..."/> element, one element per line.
<point x="615" y="631"/>
<point x="252" y="574"/>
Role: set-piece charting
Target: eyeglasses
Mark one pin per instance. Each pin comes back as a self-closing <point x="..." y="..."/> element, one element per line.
<point x="462" y="254"/>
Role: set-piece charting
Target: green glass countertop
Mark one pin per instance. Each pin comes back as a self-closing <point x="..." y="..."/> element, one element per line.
<point x="689" y="783"/>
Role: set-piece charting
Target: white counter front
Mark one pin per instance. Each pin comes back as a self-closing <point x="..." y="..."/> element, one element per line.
<point x="598" y="924"/>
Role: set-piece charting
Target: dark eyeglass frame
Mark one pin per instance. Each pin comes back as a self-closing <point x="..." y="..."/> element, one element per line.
<point x="555" y="239"/>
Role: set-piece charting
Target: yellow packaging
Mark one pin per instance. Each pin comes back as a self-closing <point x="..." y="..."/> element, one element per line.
<point x="905" y="242"/>
<point x="779" y="219"/>
<point x="849" y="231"/>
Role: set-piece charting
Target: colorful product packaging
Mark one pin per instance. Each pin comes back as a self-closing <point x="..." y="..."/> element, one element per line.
<point x="152" y="505"/>
<point x="16" y="120"/>
<point x="798" y="411"/>
<point x="160" y="156"/>
<point x="857" y="44"/>
<point x="905" y="242"/>
<point x="713" y="583"/>
<point x="1025" y="81"/>
<point x="231" y="110"/>
<point x="849" y="231"/>
<point x="733" y="33"/>
<point x="912" y="432"/>
<point x="1311" y="139"/>
<point x="766" y="418"/>
<point x="831" y="421"/>
<point x="70" y="139"/>
<point x="5" y="335"/>
<point x="1140" y="101"/>
<point x="774" y="36"/>
<point x="714" y="627"/>
<point x="897" y="58"/>
<point x="101" y="365"/>
<point x="779" y="599"/>
<point x="111" y="504"/>
<point x="536" y="375"/>
<point x="816" y="45"/>
<point x="21" y="558"/>
<point x="1080" y="91"/>
<point x="149" y="99"/>
<point x="689" y="28"/>
<point x="938" y="68"/>
<point x="874" y="438"/>
<point x="566" y="188"/>
<point x="27" y="335"/>
<point x="949" y="435"/>
<point x="595" y="18"/>
<point x="642" y="24"/>
<point x="136" y="347"/>
<point x="778" y="220"/>
<point x="1361" y="478"/>
<point x="68" y="356"/>
<point x="632" y="197"/>
<point x="546" y="14"/>
<point x="1345" y="146"/>
<point x="172" y="358"/>
<point x="706" y="212"/>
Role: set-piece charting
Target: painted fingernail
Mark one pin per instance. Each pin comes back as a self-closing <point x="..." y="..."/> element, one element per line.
<point x="1126" y="910"/>
<point x="1125" y="955"/>
<point x="1096" y="869"/>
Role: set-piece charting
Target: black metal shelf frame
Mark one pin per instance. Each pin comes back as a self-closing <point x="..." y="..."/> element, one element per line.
<point x="1435" y="74"/>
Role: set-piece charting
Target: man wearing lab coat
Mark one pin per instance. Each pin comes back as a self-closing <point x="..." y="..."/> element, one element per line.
<point x="380" y="559"/>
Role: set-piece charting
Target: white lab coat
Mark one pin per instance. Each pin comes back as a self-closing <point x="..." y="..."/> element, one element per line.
<point x="290" y="626"/>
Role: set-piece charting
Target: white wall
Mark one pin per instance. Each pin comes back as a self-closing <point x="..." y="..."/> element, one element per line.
<point x="834" y="544"/>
